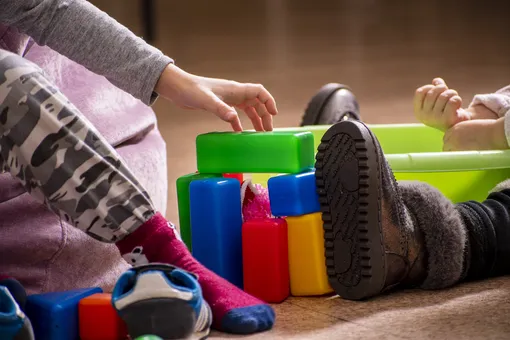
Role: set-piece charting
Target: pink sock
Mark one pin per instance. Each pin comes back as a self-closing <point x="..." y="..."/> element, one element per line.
<point x="233" y="310"/>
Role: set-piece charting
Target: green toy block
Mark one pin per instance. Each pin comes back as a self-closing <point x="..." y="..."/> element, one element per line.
<point x="182" y="185"/>
<point x="255" y="152"/>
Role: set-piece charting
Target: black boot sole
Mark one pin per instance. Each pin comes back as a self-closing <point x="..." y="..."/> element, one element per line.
<point x="348" y="171"/>
<point x="314" y="108"/>
<point x="167" y="318"/>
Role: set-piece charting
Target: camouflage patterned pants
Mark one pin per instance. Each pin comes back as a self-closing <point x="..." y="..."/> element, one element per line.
<point x="61" y="159"/>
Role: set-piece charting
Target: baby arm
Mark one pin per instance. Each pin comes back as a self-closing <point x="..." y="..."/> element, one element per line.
<point x="489" y="128"/>
<point x="440" y="107"/>
<point x="481" y="126"/>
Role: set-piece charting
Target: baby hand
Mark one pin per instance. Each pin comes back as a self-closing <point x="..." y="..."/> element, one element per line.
<point x="482" y="134"/>
<point x="438" y="106"/>
<point x="219" y="97"/>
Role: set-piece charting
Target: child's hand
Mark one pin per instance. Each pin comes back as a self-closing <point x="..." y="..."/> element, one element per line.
<point x="482" y="134"/>
<point x="218" y="96"/>
<point x="439" y="107"/>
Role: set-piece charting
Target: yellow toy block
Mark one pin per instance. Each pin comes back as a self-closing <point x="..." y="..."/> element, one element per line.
<point x="306" y="256"/>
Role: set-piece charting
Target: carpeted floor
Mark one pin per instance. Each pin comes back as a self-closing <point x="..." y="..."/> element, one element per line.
<point x="470" y="311"/>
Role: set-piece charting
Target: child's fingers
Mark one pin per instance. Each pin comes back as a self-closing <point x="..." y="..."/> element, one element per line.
<point x="259" y="92"/>
<point x="419" y="97"/>
<point x="226" y="113"/>
<point x="438" y="81"/>
<point x="235" y="122"/>
<point x="451" y="108"/>
<point x="442" y="100"/>
<point x="254" y="117"/>
<point x="267" y="119"/>
<point x="431" y="97"/>
<point x="262" y="112"/>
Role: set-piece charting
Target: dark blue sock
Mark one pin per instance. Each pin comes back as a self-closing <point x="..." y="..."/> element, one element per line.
<point x="247" y="320"/>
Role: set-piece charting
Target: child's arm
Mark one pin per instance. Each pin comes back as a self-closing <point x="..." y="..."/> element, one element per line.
<point x="87" y="35"/>
<point x="477" y="134"/>
<point x="488" y="129"/>
<point x="482" y="126"/>
<point x="440" y="107"/>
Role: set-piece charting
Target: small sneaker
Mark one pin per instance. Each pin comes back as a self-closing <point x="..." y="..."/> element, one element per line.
<point x="14" y="324"/>
<point x="162" y="300"/>
<point x="16" y="289"/>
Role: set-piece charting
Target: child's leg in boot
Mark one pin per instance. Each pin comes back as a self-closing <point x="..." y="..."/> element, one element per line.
<point x="61" y="159"/>
<point x="486" y="226"/>
<point x="380" y="235"/>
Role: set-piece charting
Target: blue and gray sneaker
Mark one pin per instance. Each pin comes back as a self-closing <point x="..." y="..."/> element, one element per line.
<point x="14" y="325"/>
<point x="162" y="300"/>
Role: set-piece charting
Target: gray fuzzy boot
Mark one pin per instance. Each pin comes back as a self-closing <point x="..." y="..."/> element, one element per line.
<point x="380" y="235"/>
<point x="444" y="234"/>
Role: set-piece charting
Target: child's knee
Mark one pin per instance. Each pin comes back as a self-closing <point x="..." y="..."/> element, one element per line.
<point x="20" y="82"/>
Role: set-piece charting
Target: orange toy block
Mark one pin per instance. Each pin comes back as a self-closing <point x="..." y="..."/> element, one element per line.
<point x="99" y="320"/>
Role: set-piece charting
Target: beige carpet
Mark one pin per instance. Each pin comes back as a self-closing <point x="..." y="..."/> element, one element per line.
<point x="469" y="311"/>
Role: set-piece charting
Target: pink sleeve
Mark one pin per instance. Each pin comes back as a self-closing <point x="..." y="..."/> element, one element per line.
<point x="498" y="102"/>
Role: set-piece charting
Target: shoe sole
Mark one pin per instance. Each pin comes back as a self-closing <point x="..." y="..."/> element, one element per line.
<point x="318" y="101"/>
<point x="26" y="332"/>
<point x="167" y="318"/>
<point x="348" y="184"/>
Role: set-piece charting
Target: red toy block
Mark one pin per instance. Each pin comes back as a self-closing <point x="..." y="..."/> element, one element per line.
<point x="99" y="320"/>
<point x="239" y="177"/>
<point x="266" y="259"/>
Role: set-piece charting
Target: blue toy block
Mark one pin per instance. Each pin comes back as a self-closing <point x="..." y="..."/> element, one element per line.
<point x="54" y="316"/>
<point x="293" y="195"/>
<point x="216" y="226"/>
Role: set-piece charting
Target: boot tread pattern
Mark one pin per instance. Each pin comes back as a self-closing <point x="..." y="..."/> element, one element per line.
<point x="346" y="179"/>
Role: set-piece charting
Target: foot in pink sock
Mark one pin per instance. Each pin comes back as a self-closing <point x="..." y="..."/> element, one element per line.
<point x="234" y="311"/>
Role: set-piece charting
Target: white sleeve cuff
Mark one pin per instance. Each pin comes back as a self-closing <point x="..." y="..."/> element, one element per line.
<point x="496" y="102"/>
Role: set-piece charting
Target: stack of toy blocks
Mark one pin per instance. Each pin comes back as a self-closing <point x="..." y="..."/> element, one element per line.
<point x="81" y="314"/>
<point x="266" y="258"/>
<point x="295" y="196"/>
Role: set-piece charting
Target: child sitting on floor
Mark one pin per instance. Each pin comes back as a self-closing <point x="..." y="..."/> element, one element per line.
<point x="50" y="150"/>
